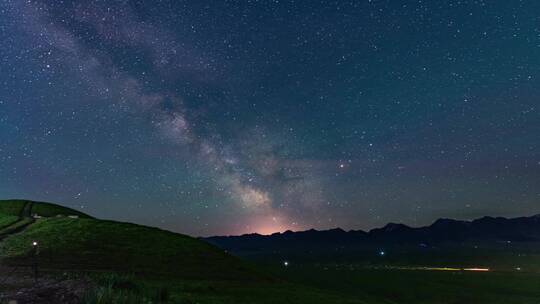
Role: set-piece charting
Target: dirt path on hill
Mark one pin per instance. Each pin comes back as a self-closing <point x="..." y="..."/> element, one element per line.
<point x="25" y="220"/>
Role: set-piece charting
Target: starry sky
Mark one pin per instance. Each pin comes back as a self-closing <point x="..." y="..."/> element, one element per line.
<point x="229" y="117"/>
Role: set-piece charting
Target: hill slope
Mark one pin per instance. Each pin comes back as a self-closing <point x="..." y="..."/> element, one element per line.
<point x="90" y="244"/>
<point x="85" y="243"/>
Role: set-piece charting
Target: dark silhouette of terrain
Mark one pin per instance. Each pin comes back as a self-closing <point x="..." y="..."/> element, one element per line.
<point x="488" y="231"/>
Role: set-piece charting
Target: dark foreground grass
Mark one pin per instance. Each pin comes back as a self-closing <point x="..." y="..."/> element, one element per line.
<point x="113" y="288"/>
<point x="414" y="286"/>
<point x="316" y="285"/>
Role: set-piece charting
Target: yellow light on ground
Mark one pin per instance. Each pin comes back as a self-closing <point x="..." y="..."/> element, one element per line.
<point x="439" y="268"/>
<point x="476" y="269"/>
<point x="442" y="269"/>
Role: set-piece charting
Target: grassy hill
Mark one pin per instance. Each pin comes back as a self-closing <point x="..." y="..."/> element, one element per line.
<point x="90" y="244"/>
<point x="85" y="243"/>
<point x="142" y="258"/>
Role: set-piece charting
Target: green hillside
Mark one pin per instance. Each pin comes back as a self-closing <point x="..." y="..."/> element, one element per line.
<point x="85" y="243"/>
<point x="157" y="266"/>
<point x="90" y="244"/>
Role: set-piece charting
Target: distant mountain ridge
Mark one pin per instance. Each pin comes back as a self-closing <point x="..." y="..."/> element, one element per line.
<point x="486" y="229"/>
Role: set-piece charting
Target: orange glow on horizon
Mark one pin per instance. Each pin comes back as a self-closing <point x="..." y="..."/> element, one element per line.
<point x="269" y="225"/>
<point x="269" y="230"/>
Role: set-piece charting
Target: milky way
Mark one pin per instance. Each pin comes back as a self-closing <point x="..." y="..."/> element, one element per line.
<point x="218" y="117"/>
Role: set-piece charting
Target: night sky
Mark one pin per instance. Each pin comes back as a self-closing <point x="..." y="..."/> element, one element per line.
<point x="229" y="117"/>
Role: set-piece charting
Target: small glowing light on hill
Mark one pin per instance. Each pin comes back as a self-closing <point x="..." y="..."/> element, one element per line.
<point x="34" y="243"/>
<point x="382" y="253"/>
<point x="285" y="263"/>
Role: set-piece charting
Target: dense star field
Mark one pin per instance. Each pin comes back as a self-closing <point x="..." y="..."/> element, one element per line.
<point x="228" y="117"/>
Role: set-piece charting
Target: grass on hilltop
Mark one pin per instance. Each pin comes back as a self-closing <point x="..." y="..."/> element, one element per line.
<point x="15" y="207"/>
<point x="12" y="207"/>
<point x="16" y="214"/>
